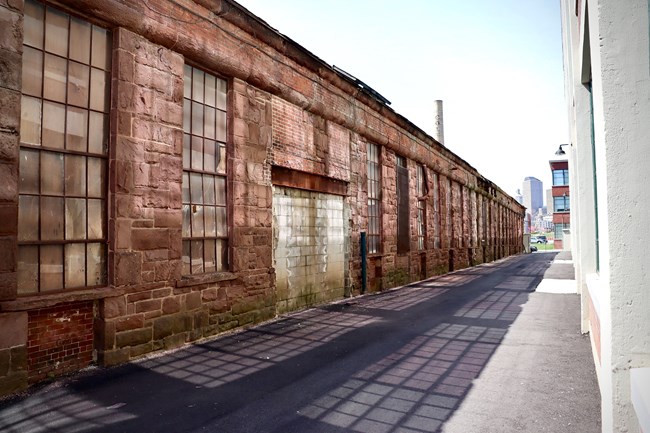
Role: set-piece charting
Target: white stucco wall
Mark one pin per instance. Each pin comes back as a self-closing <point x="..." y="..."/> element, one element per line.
<point x="618" y="31"/>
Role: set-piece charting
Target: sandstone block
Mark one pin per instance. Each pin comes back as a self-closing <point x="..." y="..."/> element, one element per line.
<point x="133" y="338"/>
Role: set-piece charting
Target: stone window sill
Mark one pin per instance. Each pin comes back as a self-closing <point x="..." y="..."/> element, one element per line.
<point x="195" y="280"/>
<point x="42" y="300"/>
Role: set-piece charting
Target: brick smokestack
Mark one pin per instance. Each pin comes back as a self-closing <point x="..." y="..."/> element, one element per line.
<point x="439" y="129"/>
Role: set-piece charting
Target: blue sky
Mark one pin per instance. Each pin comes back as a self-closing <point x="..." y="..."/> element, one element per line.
<point x="496" y="64"/>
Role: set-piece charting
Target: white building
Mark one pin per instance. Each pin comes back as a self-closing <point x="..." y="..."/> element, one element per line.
<point x="607" y="78"/>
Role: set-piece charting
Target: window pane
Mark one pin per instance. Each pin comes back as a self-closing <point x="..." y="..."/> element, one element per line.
<point x="80" y="38"/>
<point x="30" y="121"/>
<point x="197" y="153"/>
<point x="197" y="118"/>
<point x="196" y="190"/>
<point x="51" y="267"/>
<point x="186" y="258"/>
<point x="222" y="90"/>
<point x="209" y="122"/>
<point x="52" y="173"/>
<point x="96" y="264"/>
<point x="29" y="168"/>
<point x="210" y="256"/>
<point x="186" y="187"/>
<point x="187" y="116"/>
<point x="101" y="53"/>
<point x="197" y="85"/>
<point x="28" y="218"/>
<point x="78" y="84"/>
<point x="98" y="90"/>
<point x="221" y="125"/>
<point x="222" y="228"/>
<point x="77" y="129"/>
<point x="53" y="125"/>
<point x="221" y="159"/>
<point x="32" y="71"/>
<point x="220" y="186"/>
<point x="197" y="257"/>
<point x="75" y="175"/>
<point x="33" y="24"/>
<point x="187" y="81"/>
<point x="56" y="32"/>
<point x="186" y="151"/>
<point x="98" y="133"/>
<point x="96" y="219"/>
<point x="197" y="221"/>
<point x="210" y="222"/>
<point x="210" y="90"/>
<point x="56" y="72"/>
<point x="96" y="176"/>
<point x="51" y="218"/>
<point x="27" y="269"/>
<point x="75" y="265"/>
<point x="187" y="218"/>
<point x="75" y="218"/>
<point x="209" y="150"/>
<point x="208" y="189"/>
<point x="222" y="255"/>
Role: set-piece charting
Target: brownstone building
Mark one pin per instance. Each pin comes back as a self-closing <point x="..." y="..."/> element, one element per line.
<point x="175" y="169"/>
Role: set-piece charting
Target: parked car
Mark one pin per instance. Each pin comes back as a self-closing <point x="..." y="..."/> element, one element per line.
<point x="541" y="239"/>
<point x="534" y="240"/>
<point x="533" y="248"/>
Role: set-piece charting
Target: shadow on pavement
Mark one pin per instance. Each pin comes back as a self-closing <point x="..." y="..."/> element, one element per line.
<point x="401" y="360"/>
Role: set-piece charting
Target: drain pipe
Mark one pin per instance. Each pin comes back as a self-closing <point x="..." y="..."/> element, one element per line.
<point x="364" y="265"/>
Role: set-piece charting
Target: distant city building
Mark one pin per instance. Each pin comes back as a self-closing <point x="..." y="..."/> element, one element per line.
<point x="533" y="196"/>
<point x="519" y="197"/>
<point x="549" y="201"/>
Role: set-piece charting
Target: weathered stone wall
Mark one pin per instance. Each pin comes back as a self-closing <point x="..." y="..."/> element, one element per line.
<point x="294" y="123"/>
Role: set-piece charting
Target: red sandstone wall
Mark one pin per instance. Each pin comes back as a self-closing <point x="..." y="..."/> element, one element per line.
<point x="296" y="114"/>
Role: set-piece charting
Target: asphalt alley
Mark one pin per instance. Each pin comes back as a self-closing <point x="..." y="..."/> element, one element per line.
<point x="477" y="350"/>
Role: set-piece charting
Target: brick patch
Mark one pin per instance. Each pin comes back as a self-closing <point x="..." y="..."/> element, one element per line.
<point x="59" y="340"/>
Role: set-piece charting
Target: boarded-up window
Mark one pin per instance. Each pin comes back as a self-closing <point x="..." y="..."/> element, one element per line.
<point x="403" y="240"/>
<point x="421" y="191"/>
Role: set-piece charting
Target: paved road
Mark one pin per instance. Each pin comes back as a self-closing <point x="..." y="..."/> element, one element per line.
<point x="472" y="351"/>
